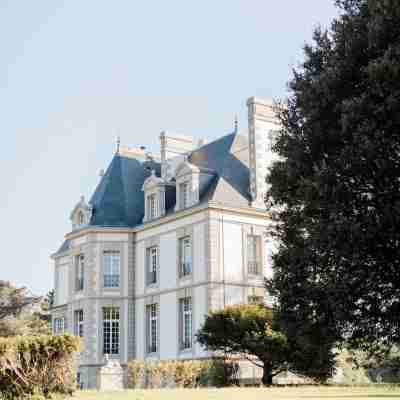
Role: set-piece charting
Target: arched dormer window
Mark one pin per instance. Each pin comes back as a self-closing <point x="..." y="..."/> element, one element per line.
<point x="81" y="214"/>
<point x="187" y="185"/>
<point x="154" y="197"/>
<point x="190" y="181"/>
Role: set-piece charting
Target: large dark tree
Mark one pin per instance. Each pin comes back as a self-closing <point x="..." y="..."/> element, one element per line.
<point x="336" y="189"/>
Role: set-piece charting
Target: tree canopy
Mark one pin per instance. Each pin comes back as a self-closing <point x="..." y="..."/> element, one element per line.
<point x="251" y="331"/>
<point x="22" y="313"/>
<point x="247" y="330"/>
<point x="336" y="188"/>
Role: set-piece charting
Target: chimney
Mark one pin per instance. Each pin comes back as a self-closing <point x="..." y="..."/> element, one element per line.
<point x="262" y="124"/>
<point x="174" y="149"/>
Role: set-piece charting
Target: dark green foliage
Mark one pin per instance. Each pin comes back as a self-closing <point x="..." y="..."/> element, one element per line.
<point x="36" y="365"/>
<point x="247" y="330"/>
<point x="336" y="189"/>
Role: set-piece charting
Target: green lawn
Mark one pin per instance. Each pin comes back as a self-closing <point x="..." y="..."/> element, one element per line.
<point x="287" y="393"/>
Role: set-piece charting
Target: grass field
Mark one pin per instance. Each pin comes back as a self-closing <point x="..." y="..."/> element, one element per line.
<point x="284" y="393"/>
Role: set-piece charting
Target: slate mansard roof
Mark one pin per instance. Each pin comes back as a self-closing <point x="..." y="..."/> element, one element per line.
<point x="118" y="200"/>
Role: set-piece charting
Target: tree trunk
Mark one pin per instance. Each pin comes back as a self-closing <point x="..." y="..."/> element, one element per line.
<point x="267" y="375"/>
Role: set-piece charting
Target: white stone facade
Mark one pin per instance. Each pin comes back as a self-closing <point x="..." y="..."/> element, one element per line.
<point x="217" y="270"/>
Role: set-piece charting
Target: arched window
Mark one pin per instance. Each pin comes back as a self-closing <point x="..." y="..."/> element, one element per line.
<point x="81" y="218"/>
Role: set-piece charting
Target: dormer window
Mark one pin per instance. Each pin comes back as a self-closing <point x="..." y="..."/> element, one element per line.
<point x="154" y="194"/>
<point x="81" y="214"/>
<point x="184" y="195"/>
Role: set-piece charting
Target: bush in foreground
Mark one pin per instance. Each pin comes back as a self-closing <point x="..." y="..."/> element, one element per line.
<point x="182" y="374"/>
<point x="36" y="365"/>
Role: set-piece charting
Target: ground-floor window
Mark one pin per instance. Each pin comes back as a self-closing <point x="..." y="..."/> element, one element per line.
<point x="111" y="330"/>
<point x="58" y="326"/>
<point x="185" y="322"/>
<point x="151" y="327"/>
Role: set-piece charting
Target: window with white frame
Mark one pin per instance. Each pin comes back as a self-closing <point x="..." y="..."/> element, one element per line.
<point x="151" y="328"/>
<point x="58" y="326"/>
<point x="78" y="323"/>
<point x="151" y="206"/>
<point x="111" y="271"/>
<point x="185" y="317"/>
<point x="185" y="256"/>
<point x="79" y="272"/>
<point x="151" y="264"/>
<point x="254" y="255"/>
<point x="183" y="195"/>
<point x="111" y="330"/>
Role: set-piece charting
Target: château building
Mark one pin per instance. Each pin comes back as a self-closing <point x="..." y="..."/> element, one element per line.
<point x="164" y="240"/>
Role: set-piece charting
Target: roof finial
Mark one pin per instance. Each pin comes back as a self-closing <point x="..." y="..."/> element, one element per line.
<point x="236" y="123"/>
<point x="118" y="144"/>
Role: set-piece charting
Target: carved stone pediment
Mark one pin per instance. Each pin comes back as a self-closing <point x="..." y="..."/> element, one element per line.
<point x="186" y="168"/>
<point x="152" y="181"/>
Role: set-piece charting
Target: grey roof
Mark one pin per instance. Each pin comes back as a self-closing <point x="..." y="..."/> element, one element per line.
<point x="228" y="157"/>
<point x="118" y="200"/>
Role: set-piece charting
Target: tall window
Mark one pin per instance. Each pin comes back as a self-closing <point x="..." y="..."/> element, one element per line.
<point x="151" y="206"/>
<point x="151" y="328"/>
<point x="185" y="256"/>
<point x="58" y="326"/>
<point x="111" y="330"/>
<point x="185" y="313"/>
<point x="152" y="264"/>
<point x="80" y="273"/>
<point x="111" y="269"/>
<point x="253" y="255"/>
<point x="184" y="195"/>
<point x="78" y="323"/>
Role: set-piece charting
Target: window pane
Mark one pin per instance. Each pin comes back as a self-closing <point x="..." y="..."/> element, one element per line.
<point x="78" y="323"/>
<point x="253" y="254"/>
<point x="79" y="272"/>
<point x="151" y="328"/>
<point x="185" y="257"/>
<point x="185" y="307"/>
<point x="111" y="330"/>
<point x="111" y="268"/>
<point x="152" y="264"/>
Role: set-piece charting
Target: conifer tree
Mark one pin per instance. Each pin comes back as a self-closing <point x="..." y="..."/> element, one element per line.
<point x="336" y="188"/>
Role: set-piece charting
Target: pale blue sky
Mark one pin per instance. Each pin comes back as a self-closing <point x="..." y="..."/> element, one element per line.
<point x="75" y="74"/>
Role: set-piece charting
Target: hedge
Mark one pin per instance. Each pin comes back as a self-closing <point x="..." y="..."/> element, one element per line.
<point x="35" y="366"/>
<point x="189" y="373"/>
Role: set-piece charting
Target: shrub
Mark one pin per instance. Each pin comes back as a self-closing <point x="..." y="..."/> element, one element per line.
<point x="184" y="374"/>
<point x="222" y="372"/>
<point x="35" y="366"/>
